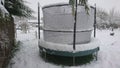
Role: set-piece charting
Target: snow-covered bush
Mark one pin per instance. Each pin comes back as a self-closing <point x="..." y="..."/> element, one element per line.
<point x="24" y="26"/>
<point x="3" y="11"/>
<point x="102" y="19"/>
<point x="107" y="20"/>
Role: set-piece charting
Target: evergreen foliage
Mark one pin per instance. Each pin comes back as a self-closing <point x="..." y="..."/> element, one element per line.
<point x="81" y="2"/>
<point x="18" y="8"/>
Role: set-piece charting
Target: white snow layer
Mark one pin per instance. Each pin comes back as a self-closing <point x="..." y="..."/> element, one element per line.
<point x="94" y="43"/>
<point x="2" y="8"/>
<point x="28" y="55"/>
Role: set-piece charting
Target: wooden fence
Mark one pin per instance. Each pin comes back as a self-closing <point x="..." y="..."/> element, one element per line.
<point x="7" y="37"/>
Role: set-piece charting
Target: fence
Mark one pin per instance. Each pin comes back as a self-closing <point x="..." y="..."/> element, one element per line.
<point x="6" y="38"/>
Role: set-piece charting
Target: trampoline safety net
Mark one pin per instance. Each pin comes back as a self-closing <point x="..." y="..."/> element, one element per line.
<point x="59" y="23"/>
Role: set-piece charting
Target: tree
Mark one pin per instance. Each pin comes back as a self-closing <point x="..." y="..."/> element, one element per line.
<point x="18" y="8"/>
<point x="7" y="30"/>
<point x="24" y="26"/>
<point x="114" y="18"/>
<point x="102" y="16"/>
<point x="107" y="20"/>
<point x="112" y="15"/>
<point x="81" y="2"/>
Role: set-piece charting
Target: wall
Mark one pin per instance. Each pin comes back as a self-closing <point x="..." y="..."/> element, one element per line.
<point x="7" y="36"/>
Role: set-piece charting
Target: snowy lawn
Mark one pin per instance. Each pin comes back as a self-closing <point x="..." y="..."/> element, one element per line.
<point x="28" y="55"/>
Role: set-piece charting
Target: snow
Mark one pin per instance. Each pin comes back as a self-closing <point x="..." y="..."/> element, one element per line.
<point x="2" y="8"/>
<point x="94" y="43"/>
<point x="28" y="55"/>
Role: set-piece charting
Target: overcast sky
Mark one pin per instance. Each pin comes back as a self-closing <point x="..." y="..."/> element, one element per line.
<point x="105" y="4"/>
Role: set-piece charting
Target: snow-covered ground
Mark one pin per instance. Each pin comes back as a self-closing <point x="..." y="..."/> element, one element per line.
<point x="28" y="55"/>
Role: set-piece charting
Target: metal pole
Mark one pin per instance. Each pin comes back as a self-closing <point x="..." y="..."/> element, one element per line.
<point x="95" y="22"/>
<point x="38" y="20"/>
<point x="73" y="60"/>
<point x="74" y="34"/>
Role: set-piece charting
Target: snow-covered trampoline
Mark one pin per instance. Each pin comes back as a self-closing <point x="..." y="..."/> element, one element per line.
<point x="58" y="31"/>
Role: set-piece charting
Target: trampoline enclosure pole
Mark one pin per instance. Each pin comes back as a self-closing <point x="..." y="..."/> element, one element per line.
<point x="75" y="21"/>
<point x="95" y="22"/>
<point x="38" y="21"/>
